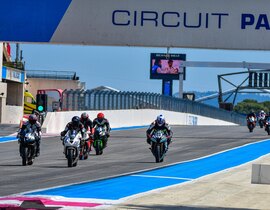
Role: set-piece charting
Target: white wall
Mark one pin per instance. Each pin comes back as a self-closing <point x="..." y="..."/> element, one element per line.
<point x="56" y="121"/>
<point x="13" y="114"/>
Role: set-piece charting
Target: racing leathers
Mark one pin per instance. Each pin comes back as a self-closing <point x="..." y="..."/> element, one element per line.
<point x="71" y="126"/>
<point x="252" y="114"/>
<point x="27" y="127"/>
<point x="102" y="123"/>
<point x="154" y="126"/>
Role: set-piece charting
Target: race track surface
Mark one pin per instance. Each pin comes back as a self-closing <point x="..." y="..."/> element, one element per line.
<point x="127" y="152"/>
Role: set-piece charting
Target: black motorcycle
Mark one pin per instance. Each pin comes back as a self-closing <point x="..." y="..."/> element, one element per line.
<point x="261" y="120"/>
<point x="159" y="145"/>
<point x="267" y="126"/>
<point x="28" y="148"/>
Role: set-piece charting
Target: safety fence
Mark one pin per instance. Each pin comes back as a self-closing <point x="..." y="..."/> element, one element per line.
<point x="77" y="100"/>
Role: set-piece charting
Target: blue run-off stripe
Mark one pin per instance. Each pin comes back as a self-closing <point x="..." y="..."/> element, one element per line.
<point x="123" y="186"/>
<point x="30" y="20"/>
<point x="7" y="138"/>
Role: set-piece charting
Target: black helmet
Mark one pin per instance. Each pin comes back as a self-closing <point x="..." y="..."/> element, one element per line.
<point x="32" y="119"/>
<point x="75" y="121"/>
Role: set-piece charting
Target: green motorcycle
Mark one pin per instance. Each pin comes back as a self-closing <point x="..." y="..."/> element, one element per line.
<point x="99" y="136"/>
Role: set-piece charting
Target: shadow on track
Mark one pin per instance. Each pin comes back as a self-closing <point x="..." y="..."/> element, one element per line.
<point x="9" y="165"/>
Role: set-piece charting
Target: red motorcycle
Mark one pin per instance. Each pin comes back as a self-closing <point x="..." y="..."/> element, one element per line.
<point x="251" y="123"/>
<point x="85" y="147"/>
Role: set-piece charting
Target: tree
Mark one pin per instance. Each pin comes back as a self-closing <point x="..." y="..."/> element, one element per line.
<point x="248" y="105"/>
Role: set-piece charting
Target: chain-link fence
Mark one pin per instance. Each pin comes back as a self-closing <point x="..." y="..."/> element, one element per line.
<point x="77" y="100"/>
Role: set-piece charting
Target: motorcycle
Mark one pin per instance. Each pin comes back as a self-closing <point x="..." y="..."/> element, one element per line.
<point x="99" y="136"/>
<point x="85" y="148"/>
<point x="267" y="126"/>
<point x="28" y="148"/>
<point x="251" y="123"/>
<point x="159" y="145"/>
<point x="261" y="120"/>
<point x="71" y="143"/>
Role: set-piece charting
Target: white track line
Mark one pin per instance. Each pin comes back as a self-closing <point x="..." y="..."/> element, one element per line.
<point x="164" y="177"/>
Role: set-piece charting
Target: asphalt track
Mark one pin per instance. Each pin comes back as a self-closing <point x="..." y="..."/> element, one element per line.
<point x="127" y="152"/>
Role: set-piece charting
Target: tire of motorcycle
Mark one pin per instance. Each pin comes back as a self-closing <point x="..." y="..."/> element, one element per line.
<point x="81" y="157"/>
<point x="157" y="153"/>
<point x="24" y="155"/>
<point x="99" y="148"/>
<point x="75" y="164"/>
<point x="70" y="157"/>
<point x="31" y="154"/>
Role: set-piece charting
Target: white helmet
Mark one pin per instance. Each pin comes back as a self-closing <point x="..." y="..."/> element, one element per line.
<point x="160" y="120"/>
<point x="262" y="112"/>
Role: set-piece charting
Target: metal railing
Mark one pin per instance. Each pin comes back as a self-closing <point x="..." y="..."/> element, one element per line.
<point x="66" y="75"/>
<point x="78" y="100"/>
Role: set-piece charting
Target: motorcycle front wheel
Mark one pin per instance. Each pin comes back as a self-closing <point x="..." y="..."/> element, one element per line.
<point x="24" y="151"/>
<point x="70" y="157"/>
<point x="157" y="153"/>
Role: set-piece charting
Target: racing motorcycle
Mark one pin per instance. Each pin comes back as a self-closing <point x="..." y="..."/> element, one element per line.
<point x="267" y="126"/>
<point x="100" y="134"/>
<point x="159" y="145"/>
<point x="28" y="147"/>
<point x="251" y="123"/>
<point x="85" y="147"/>
<point x="261" y="119"/>
<point x="71" y="143"/>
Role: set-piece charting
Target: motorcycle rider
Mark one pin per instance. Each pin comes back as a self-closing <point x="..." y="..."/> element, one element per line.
<point x="159" y="124"/>
<point x="261" y="114"/>
<point x="267" y="118"/>
<point x="88" y="125"/>
<point x="252" y="114"/>
<point x="74" y="124"/>
<point x="100" y="120"/>
<point x="34" y="125"/>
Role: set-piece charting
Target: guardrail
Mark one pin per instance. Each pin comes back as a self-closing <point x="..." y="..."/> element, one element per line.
<point x="78" y="100"/>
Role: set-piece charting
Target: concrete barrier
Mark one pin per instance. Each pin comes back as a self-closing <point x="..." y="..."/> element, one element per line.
<point x="55" y="122"/>
<point x="260" y="174"/>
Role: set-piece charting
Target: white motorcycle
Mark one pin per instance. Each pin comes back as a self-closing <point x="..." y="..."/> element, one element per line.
<point x="71" y="143"/>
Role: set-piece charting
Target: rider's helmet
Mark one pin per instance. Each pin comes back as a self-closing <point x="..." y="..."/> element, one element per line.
<point x="100" y="116"/>
<point x="84" y="116"/>
<point x="262" y="112"/>
<point x="32" y="119"/>
<point x="75" y="121"/>
<point x="160" y="120"/>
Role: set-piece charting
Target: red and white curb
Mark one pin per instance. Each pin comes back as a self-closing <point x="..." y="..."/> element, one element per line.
<point x="57" y="202"/>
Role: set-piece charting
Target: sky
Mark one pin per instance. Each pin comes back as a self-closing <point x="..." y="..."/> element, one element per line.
<point x="127" y="68"/>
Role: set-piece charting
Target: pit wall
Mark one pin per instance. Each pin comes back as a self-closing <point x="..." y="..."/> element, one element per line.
<point x="55" y="122"/>
<point x="13" y="114"/>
